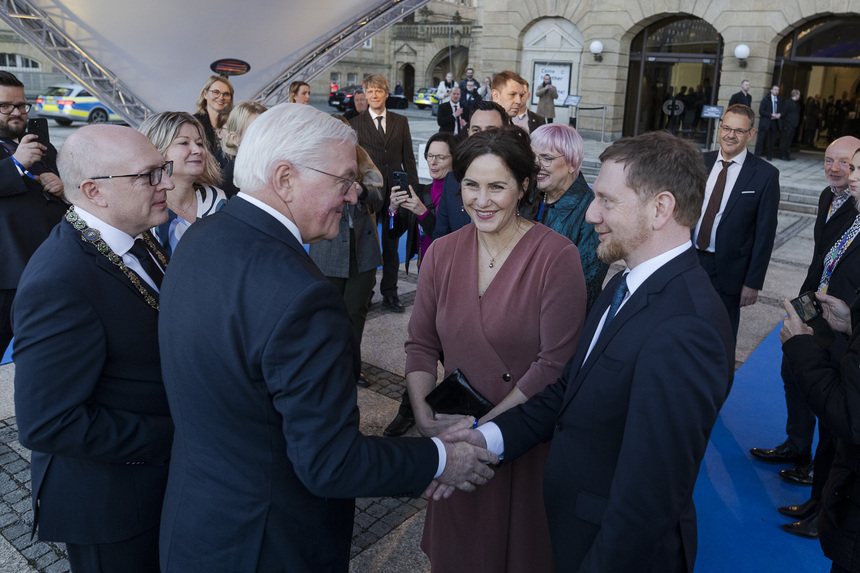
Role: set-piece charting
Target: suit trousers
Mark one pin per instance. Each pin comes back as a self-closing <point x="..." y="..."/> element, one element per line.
<point x="732" y="302"/>
<point x="355" y="290"/>
<point x="390" y="258"/>
<point x="769" y="135"/>
<point x="136" y="555"/>
<point x="786" y="139"/>
<point x="6" y="298"/>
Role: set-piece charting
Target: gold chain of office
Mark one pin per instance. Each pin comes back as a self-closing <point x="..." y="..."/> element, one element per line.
<point x="93" y="237"/>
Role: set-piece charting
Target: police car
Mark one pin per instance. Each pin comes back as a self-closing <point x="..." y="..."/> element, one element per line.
<point x="67" y="103"/>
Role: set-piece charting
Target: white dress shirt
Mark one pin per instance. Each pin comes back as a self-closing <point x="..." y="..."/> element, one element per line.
<point x="384" y="115"/>
<point x="120" y="243"/>
<point x="731" y="179"/>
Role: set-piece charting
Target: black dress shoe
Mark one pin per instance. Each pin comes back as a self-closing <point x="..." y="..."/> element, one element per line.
<point x="398" y="426"/>
<point x="800" y="475"/>
<point x="362" y="381"/>
<point x="802" y="511"/>
<point x="781" y="454"/>
<point x="392" y="303"/>
<point x="807" y="528"/>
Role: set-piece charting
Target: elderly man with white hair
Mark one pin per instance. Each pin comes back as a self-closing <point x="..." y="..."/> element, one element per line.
<point x="260" y="364"/>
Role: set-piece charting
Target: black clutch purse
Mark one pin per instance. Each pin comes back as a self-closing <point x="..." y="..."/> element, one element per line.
<point x="454" y="395"/>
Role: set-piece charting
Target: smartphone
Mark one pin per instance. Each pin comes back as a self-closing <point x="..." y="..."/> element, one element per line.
<point x="401" y="179"/>
<point x="807" y="306"/>
<point x="39" y="127"/>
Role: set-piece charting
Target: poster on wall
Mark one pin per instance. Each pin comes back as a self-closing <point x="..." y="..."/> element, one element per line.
<point x="559" y="72"/>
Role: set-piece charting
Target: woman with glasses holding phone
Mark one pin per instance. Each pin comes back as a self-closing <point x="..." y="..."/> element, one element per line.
<point x="418" y="213"/>
<point x="503" y="301"/>
<point x="178" y="136"/>
<point x="213" y="107"/>
<point x="565" y="197"/>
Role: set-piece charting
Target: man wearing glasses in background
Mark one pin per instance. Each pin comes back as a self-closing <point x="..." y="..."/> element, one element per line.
<point x="735" y="233"/>
<point x="89" y="397"/>
<point x="30" y="195"/>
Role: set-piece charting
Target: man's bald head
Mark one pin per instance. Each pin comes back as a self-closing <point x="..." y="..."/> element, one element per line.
<point x="837" y="158"/>
<point x="95" y="150"/>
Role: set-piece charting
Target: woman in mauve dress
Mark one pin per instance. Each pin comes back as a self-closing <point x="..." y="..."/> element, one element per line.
<point x="503" y="300"/>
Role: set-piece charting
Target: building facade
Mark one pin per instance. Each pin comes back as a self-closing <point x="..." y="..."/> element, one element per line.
<point x="659" y="62"/>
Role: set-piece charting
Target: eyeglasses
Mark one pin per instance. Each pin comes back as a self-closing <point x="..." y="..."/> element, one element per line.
<point x="155" y="175"/>
<point x="726" y="130"/>
<point x="546" y="160"/>
<point x="219" y="94"/>
<point x="348" y="182"/>
<point x="437" y="158"/>
<point x="6" y="108"/>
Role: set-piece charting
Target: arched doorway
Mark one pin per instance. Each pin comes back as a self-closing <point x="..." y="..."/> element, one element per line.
<point x="674" y="71"/>
<point x="409" y="81"/>
<point x="454" y="59"/>
<point x="821" y="59"/>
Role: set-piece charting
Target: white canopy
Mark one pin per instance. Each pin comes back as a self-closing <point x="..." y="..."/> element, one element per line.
<point x="155" y="55"/>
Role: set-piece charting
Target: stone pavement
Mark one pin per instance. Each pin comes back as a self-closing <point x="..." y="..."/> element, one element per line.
<point x="387" y="531"/>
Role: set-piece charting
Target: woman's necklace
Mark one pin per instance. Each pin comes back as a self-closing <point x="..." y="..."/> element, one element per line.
<point x="185" y="211"/>
<point x="502" y="250"/>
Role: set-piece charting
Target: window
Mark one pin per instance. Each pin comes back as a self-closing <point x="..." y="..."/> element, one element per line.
<point x="18" y="62"/>
<point x="352" y="79"/>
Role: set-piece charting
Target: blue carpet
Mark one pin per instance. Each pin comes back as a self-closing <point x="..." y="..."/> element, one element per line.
<point x="7" y="356"/>
<point x="736" y="496"/>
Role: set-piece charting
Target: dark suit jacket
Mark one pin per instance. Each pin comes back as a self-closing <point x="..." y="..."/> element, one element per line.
<point x="740" y="97"/>
<point x="27" y="215"/>
<point x="88" y="395"/>
<point x="450" y="214"/>
<point x="825" y="234"/>
<point x="765" y="109"/>
<point x="470" y="100"/>
<point x="630" y="425"/>
<point x="748" y="225"/>
<point x="446" y="118"/>
<point x="260" y="374"/>
<point x="790" y="115"/>
<point x="535" y="121"/>
<point x="394" y="153"/>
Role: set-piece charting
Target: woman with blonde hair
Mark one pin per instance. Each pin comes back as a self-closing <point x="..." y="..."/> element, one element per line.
<point x="216" y="98"/>
<point x="178" y="136"/>
<point x="240" y="118"/>
<point x="300" y="92"/>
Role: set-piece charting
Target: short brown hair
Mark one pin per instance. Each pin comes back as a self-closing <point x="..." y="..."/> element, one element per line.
<point x="743" y="110"/>
<point x="377" y="81"/>
<point x="658" y="161"/>
<point x="501" y="79"/>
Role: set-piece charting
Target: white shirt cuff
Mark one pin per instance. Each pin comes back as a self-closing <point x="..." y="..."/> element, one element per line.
<point x="493" y="436"/>
<point x="442" y="456"/>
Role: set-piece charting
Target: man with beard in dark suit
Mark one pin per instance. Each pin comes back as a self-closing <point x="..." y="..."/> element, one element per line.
<point x="89" y="397"/>
<point x="386" y="138"/>
<point x="742" y="96"/>
<point x="631" y="415"/>
<point x="30" y="195"/>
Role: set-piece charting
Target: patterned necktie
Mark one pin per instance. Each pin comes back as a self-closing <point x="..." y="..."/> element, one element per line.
<point x="141" y="253"/>
<point x="703" y="241"/>
<point x="617" y="299"/>
<point x="379" y="126"/>
<point x="456" y="119"/>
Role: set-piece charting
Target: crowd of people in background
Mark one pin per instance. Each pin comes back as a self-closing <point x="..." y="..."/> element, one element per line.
<point x="189" y="393"/>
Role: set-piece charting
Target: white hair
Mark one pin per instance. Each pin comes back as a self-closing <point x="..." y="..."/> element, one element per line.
<point x="287" y="132"/>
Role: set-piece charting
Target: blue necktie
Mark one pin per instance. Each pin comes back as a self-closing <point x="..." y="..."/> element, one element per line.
<point x="617" y="299"/>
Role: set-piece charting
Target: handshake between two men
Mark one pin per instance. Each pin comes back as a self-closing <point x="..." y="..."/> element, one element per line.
<point x="467" y="463"/>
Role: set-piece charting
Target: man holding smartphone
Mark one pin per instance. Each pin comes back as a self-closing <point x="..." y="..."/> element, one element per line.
<point x="30" y="195"/>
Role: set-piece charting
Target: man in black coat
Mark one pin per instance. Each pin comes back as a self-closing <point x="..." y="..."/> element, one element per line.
<point x="89" y="397"/>
<point x="453" y="115"/>
<point x="742" y="96"/>
<point x="769" y="112"/>
<point x="30" y="195"/>
<point x="790" y="121"/>
<point x="836" y="213"/>
<point x="386" y="138"/>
